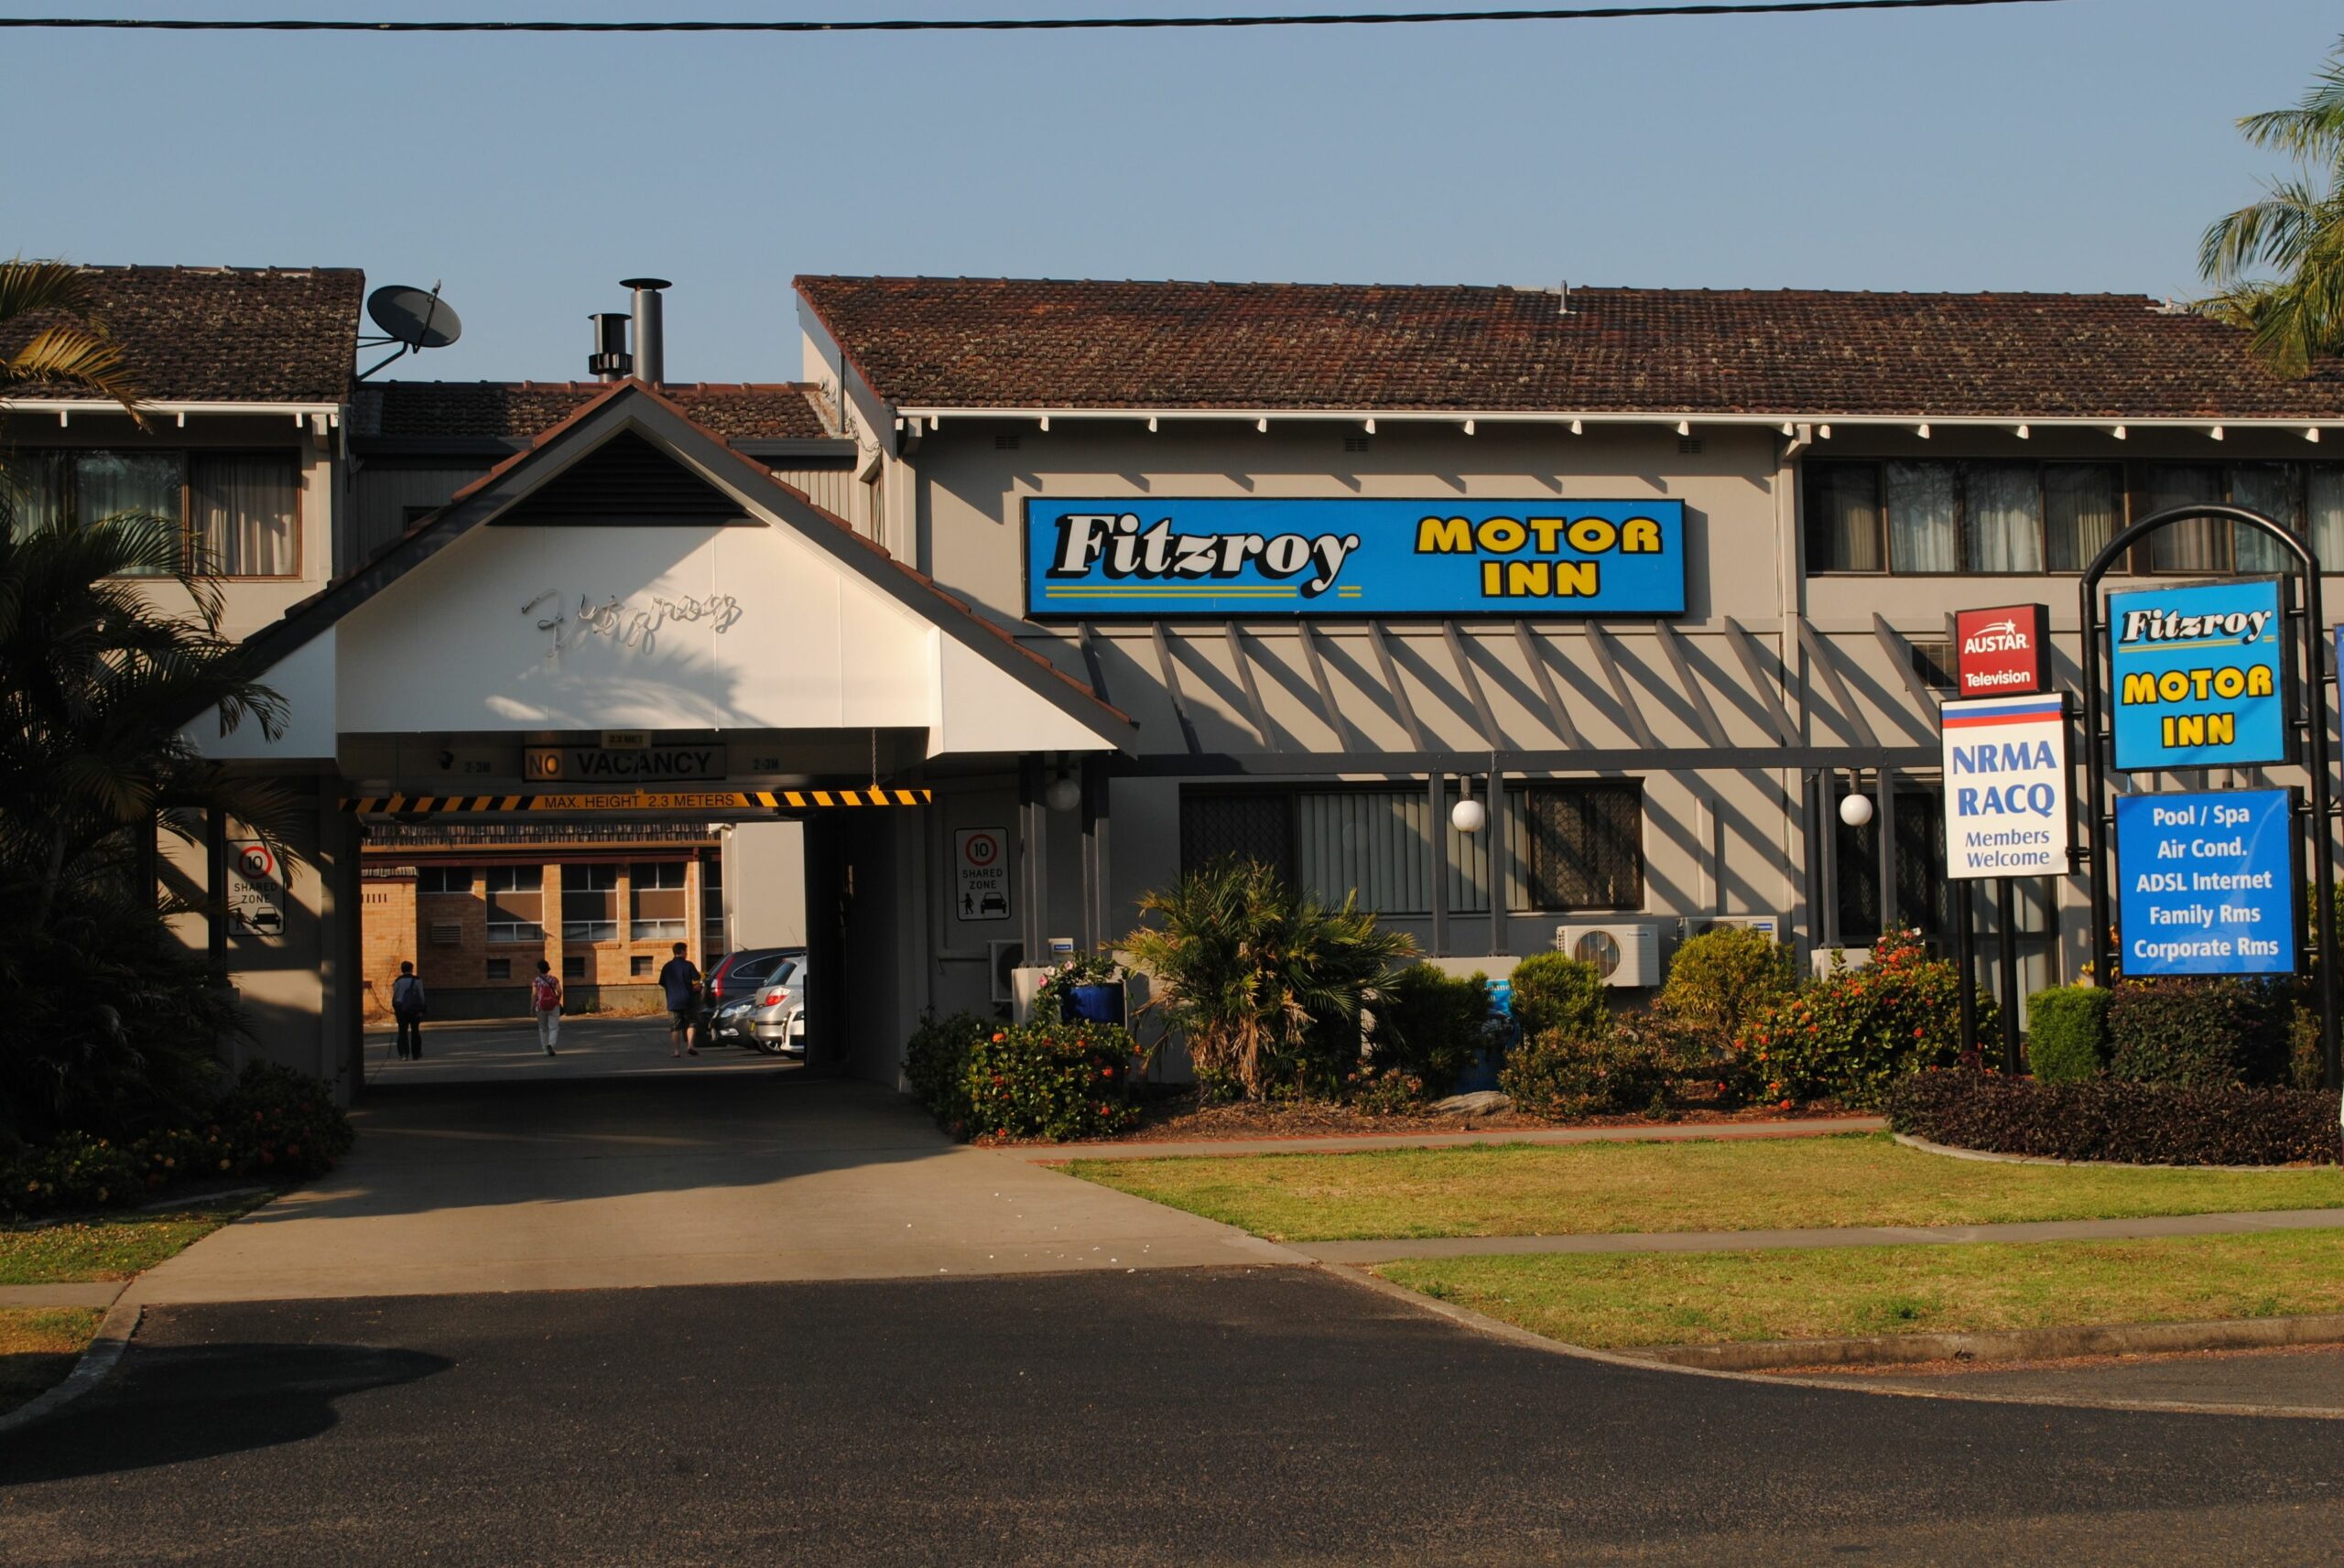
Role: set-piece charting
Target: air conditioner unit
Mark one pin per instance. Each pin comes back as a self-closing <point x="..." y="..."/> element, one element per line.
<point x="1830" y="960"/>
<point x="1002" y="959"/>
<point x="1773" y="926"/>
<point x="1625" y="953"/>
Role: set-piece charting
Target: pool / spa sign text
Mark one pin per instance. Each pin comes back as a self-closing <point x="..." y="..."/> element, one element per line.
<point x="2006" y="786"/>
<point x="2196" y="676"/>
<point x="1093" y="558"/>
<point x="2207" y="884"/>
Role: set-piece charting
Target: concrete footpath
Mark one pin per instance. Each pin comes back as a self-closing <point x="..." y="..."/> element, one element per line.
<point x="671" y="1180"/>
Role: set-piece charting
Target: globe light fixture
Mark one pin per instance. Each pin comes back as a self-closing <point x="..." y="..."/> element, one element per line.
<point x="1469" y="815"/>
<point x="1855" y="810"/>
<point x="1064" y="793"/>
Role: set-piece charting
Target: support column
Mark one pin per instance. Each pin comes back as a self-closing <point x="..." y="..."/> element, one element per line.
<point x="216" y="890"/>
<point x="1032" y="844"/>
<point x="1885" y="817"/>
<point x="1501" y="861"/>
<point x="1436" y="790"/>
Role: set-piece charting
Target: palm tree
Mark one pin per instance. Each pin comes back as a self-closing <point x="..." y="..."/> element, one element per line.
<point x="2296" y="231"/>
<point x="71" y="349"/>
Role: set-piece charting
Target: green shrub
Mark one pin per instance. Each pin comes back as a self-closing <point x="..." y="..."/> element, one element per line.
<point x="2199" y="1029"/>
<point x="1850" y="1034"/>
<point x="2067" y="1036"/>
<point x="282" y="1125"/>
<point x="935" y="1065"/>
<point x="1569" y="1077"/>
<point x="1383" y="1091"/>
<point x="1052" y="1080"/>
<point x="1557" y="991"/>
<point x="2109" y="1118"/>
<point x="1429" y="1024"/>
<point x="1721" y="981"/>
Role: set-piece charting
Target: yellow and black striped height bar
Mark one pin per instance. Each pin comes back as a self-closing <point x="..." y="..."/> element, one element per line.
<point x="636" y="800"/>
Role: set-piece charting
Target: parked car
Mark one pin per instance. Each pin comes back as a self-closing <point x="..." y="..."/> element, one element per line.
<point x="771" y="1016"/>
<point x="733" y="976"/>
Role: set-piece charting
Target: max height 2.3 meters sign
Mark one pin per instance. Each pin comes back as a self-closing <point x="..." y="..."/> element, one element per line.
<point x="1093" y="558"/>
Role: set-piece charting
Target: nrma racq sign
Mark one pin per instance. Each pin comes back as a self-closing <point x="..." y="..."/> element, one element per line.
<point x="2006" y="810"/>
<point x="2198" y="676"/>
<point x="1093" y="558"/>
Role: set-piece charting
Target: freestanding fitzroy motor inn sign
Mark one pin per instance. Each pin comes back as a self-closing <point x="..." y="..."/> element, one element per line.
<point x="2003" y="652"/>
<point x="1240" y="555"/>
<point x="2196" y="676"/>
<point x="2006" y="786"/>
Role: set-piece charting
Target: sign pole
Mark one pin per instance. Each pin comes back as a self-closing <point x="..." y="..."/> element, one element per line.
<point x="2006" y="955"/>
<point x="1965" y="915"/>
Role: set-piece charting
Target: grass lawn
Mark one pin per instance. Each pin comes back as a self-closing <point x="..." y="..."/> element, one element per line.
<point x="108" y="1247"/>
<point x="1522" y="1189"/>
<point x="1615" y="1303"/>
<point x="39" y="1347"/>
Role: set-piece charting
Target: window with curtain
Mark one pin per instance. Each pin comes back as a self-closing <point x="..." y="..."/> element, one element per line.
<point x="38" y="483"/>
<point x="2082" y="503"/>
<point x="656" y="888"/>
<point x="1584" y="846"/>
<point x="1374" y="844"/>
<point x="1843" y="521"/>
<point x="589" y="903"/>
<point x="115" y="484"/>
<point x="2197" y="543"/>
<point x="2275" y="489"/>
<point x="515" y="902"/>
<point x="1924" y="517"/>
<point x="2003" y="506"/>
<point x="2324" y="507"/>
<point x="243" y="511"/>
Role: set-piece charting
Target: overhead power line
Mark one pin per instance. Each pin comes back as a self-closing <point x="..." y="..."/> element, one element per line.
<point x="993" y="25"/>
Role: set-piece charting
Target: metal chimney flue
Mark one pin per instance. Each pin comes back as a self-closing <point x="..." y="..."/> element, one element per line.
<point x="650" y="334"/>
<point x="610" y="361"/>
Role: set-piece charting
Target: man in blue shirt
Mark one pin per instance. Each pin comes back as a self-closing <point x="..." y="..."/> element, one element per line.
<point x="680" y="980"/>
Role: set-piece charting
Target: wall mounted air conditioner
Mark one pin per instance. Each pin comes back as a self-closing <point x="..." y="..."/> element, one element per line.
<point x="1624" y="952"/>
<point x="1773" y="926"/>
<point x="1002" y="959"/>
<point x="1829" y="960"/>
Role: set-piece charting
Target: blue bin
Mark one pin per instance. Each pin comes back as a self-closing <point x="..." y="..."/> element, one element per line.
<point x="1092" y="1004"/>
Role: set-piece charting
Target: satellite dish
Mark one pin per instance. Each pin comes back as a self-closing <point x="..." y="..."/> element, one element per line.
<point x="414" y="318"/>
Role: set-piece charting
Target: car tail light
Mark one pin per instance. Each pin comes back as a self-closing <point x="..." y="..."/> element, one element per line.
<point x="775" y="997"/>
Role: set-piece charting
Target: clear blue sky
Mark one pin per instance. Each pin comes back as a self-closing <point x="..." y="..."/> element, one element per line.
<point x="2080" y="145"/>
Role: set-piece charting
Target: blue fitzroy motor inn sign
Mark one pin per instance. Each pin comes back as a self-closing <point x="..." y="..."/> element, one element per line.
<point x="2196" y="676"/>
<point x="1093" y="558"/>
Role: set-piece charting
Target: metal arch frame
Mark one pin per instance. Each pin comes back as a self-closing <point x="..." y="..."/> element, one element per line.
<point x="2314" y="682"/>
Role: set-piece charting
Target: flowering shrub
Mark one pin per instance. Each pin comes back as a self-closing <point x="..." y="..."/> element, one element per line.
<point x="935" y="1065"/>
<point x="1850" y="1035"/>
<point x="275" y="1124"/>
<point x="1050" y="1080"/>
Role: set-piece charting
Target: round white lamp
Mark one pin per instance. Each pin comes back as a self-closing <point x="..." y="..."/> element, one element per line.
<point x="1855" y="810"/>
<point x="1469" y="815"/>
<point x="1063" y="793"/>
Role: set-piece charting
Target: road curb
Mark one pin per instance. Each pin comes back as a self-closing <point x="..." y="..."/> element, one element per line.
<point x="1993" y="1157"/>
<point x="2016" y="1345"/>
<point x="112" y="1339"/>
<point x="1370" y="1143"/>
<point x="1512" y="1334"/>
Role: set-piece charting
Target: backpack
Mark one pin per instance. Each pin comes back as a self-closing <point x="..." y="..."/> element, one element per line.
<point x="406" y="995"/>
<point x="544" y="993"/>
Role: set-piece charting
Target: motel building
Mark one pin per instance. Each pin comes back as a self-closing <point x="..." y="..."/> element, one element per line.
<point x="1013" y="600"/>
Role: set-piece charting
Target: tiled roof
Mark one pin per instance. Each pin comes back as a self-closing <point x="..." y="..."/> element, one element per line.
<point x="1017" y="343"/>
<point x="517" y="411"/>
<point x="205" y="334"/>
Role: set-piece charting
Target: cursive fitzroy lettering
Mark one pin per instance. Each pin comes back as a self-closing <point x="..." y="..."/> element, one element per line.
<point x="1121" y="548"/>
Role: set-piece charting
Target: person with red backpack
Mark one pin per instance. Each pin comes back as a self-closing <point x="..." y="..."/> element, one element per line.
<point x="545" y="999"/>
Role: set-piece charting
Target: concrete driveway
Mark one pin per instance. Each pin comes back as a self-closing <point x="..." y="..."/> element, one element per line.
<point x="723" y="1178"/>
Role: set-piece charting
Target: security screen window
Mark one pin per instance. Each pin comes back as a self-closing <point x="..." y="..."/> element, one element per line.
<point x="237" y="512"/>
<point x="589" y="903"/>
<point x="515" y="902"/>
<point x="657" y="891"/>
<point x="1920" y="868"/>
<point x="1586" y="847"/>
<point x="1254" y="825"/>
<point x="712" y="904"/>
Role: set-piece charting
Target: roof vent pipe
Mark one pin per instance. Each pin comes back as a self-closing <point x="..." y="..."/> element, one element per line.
<point x="650" y="335"/>
<point x="610" y="361"/>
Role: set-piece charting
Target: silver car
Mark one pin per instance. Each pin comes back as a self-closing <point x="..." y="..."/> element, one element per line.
<point x="771" y="1015"/>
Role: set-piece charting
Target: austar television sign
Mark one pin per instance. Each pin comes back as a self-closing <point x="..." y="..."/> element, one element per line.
<point x="2003" y="652"/>
<point x="1093" y="558"/>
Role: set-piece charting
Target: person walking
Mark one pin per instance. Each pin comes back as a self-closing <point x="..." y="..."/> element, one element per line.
<point x="545" y="999"/>
<point x="680" y="980"/>
<point x="408" y="1004"/>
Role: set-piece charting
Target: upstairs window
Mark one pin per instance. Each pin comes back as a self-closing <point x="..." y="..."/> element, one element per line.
<point x="589" y="903"/>
<point x="516" y="903"/>
<point x="656" y="888"/>
<point x="237" y="512"/>
<point x="1938" y="518"/>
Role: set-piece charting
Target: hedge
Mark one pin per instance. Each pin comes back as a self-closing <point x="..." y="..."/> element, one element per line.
<point x="2116" y="1120"/>
<point x="2067" y="1034"/>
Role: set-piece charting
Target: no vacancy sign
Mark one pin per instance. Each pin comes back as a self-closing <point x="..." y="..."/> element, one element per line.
<point x="2006" y="786"/>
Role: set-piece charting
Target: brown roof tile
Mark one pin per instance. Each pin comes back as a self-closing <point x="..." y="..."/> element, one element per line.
<point x="518" y="411"/>
<point x="1011" y="342"/>
<point x="204" y="334"/>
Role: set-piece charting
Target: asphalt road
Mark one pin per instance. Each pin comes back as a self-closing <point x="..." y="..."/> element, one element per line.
<point x="1191" y="1417"/>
